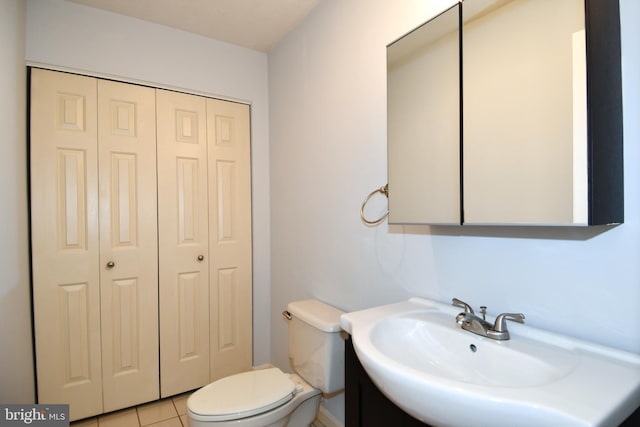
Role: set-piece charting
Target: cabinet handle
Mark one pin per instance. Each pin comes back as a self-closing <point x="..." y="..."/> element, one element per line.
<point x="111" y="264"/>
<point x="200" y="258"/>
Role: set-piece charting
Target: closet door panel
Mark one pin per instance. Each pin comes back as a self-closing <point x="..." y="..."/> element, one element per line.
<point x="128" y="244"/>
<point x="64" y="227"/>
<point x="183" y="240"/>
<point x="229" y="145"/>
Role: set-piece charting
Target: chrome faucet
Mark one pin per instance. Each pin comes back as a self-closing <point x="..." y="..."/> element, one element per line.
<point x="469" y="321"/>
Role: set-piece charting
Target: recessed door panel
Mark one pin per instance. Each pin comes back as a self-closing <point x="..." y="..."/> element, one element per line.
<point x="126" y="335"/>
<point x="74" y="332"/>
<point x="71" y="203"/>
<point x="188" y="171"/>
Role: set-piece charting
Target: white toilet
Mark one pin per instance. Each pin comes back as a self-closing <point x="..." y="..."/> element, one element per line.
<point x="269" y="397"/>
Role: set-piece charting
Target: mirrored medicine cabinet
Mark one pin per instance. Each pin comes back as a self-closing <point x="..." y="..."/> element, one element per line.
<point x="507" y="112"/>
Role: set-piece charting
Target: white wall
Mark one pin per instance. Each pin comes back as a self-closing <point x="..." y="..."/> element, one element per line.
<point x="327" y="107"/>
<point x="16" y="362"/>
<point x="71" y="36"/>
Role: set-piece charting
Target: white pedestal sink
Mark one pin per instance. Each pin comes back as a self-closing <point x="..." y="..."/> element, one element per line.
<point x="426" y="364"/>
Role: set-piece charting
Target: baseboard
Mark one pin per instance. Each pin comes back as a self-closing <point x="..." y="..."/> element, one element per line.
<point x="327" y="419"/>
<point x="263" y="366"/>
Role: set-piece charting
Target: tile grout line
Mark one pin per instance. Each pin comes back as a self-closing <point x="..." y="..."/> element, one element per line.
<point x="173" y="402"/>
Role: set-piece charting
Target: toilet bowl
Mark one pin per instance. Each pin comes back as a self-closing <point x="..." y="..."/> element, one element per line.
<point x="269" y="397"/>
<point x="260" y="398"/>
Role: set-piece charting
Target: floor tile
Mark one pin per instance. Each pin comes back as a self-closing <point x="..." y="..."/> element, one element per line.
<point x="125" y="418"/>
<point x="155" y="412"/>
<point x="185" y="420"/>
<point x="91" y="422"/>
<point x="173" y="422"/>
<point x="180" y="403"/>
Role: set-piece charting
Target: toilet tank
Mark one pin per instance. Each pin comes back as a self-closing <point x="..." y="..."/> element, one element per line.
<point x="316" y="344"/>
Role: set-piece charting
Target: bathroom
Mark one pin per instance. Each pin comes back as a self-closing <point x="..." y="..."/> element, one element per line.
<point x="318" y="148"/>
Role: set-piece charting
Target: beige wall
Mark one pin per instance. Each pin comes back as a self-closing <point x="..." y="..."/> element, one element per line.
<point x="16" y="362"/>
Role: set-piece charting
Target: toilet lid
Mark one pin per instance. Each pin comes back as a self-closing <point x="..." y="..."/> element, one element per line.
<point x="242" y="395"/>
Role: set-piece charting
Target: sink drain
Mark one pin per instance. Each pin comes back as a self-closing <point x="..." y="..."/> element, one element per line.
<point x="473" y="348"/>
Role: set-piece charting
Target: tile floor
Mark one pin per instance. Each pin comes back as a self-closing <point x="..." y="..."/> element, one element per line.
<point x="170" y="412"/>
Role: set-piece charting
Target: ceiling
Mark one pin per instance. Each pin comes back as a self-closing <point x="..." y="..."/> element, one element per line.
<point x="254" y="24"/>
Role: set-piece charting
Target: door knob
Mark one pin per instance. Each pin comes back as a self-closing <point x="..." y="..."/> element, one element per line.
<point x="111" y="264"/>
<point x="200" y="257"/>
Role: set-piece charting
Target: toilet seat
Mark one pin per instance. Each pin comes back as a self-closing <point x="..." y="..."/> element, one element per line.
<point x="242" y="395"/>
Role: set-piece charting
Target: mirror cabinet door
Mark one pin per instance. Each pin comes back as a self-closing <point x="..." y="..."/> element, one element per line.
<point x="423" y="123"/>
<point x="510" y="114"/>
<point x="524" y="117"/>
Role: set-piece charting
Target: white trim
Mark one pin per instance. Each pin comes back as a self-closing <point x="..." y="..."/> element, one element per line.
<point x="263" y="366"/>
<point x="134" y="81"/>
<point x="326" y="418"/>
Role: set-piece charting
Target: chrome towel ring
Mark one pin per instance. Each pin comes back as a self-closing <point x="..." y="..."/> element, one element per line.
<point x="382" y="190"/>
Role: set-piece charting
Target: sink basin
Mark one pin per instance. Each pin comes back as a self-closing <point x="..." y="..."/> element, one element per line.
<point x="426" y="364"/>
<point x="432" y="343"/>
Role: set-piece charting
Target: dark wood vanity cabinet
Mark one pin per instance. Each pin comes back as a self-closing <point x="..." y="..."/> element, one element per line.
<point x="633" y="420"/>
<point x="366" y="406"/>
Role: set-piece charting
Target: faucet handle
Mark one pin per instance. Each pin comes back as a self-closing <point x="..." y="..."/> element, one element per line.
<point x="467" y="308"/>
<point x="500" y="324"/>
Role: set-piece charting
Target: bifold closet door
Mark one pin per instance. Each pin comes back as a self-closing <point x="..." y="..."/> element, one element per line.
<point x="229" y="148"/>
<point x="128" y="244"/>
<point x="183" y="241"/>
<point x="94" y="237"/>
<point x="141" y="241"/>
<point x="64" y="235"/>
